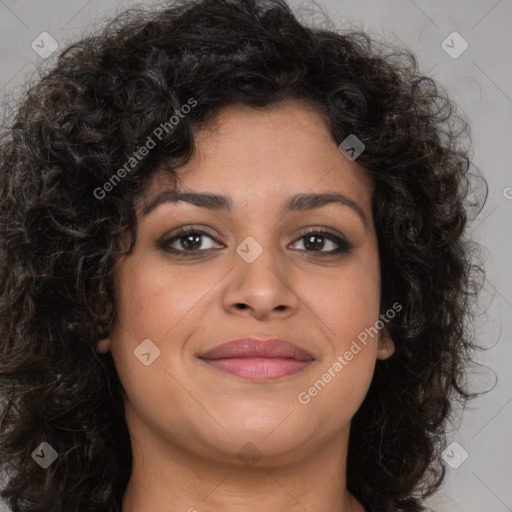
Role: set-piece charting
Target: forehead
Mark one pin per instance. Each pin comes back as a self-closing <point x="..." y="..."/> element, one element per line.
<point x="263" y="153"/>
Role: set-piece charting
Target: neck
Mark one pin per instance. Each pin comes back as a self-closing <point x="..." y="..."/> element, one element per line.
<point x="167" y="477"/>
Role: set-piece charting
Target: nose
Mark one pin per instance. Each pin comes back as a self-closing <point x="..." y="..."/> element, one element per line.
<point x="261" y="288"/>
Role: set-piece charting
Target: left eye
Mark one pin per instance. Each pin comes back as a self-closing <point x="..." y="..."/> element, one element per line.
<point x="311" y="239"/>
<point x="192" y="244"/>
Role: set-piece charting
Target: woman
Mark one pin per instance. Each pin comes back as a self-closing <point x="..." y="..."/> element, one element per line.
<point x="235" y="273"/>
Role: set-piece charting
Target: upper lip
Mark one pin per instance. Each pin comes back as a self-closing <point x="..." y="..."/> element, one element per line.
<point x="257" y="347"/>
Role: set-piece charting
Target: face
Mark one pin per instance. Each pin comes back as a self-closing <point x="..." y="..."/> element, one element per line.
<point x="308" y="274"/>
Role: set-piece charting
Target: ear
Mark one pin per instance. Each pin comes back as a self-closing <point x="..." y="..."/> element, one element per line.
<point x="103" y="346"/>
<point x="386" y="346"/>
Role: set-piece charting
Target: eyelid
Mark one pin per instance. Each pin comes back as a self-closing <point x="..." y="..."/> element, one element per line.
<point x="183" y="230"/>
<point x="344" y="245"/>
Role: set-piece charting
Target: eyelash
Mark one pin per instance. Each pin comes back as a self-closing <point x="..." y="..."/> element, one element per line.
<point x="344" y="245"/>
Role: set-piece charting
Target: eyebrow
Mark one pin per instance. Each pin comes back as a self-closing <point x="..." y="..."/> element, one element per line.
<point x="296" y="203"/>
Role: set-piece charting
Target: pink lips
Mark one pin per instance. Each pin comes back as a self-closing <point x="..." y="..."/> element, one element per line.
<point x="257" y="359"/>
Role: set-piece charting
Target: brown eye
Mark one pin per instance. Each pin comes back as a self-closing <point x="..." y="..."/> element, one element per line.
<point x="186" y="242"/>
<point x="316" y="240"/>
<point x="191" y="242"/>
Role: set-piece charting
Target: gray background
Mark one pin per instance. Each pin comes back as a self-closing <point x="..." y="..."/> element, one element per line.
<point x="480" y="80"/>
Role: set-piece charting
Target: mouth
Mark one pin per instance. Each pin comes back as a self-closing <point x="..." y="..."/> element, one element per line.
<point x="258" y="359"/>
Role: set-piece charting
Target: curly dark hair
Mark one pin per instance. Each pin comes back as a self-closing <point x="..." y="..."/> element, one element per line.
<point x="97" y="104"/>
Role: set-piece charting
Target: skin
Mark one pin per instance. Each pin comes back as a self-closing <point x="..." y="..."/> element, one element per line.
<point x="189" y="421"/>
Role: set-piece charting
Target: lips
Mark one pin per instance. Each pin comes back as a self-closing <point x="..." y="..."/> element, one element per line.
<point x="255" y="347"/>
<point x="258" y="359"/>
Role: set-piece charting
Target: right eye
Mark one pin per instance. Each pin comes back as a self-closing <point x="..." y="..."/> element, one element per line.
<point x="190" y="240"/>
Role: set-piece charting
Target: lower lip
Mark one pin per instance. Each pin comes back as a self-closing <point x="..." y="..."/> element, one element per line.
<point x="258" y="368"/>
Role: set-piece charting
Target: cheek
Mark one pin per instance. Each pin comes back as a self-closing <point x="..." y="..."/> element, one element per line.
<point x="347" y="305"/>
<point x="348" y="302"/>
<point x="159" y="303"/>
<point x="142" y="340"/>
<point x="349" y="310"/>
<point x="151" y="297"/>
<point x="337" y="391"/>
